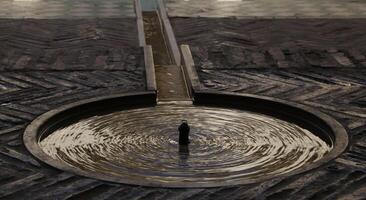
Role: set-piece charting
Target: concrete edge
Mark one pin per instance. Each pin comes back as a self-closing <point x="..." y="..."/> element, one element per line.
<point x="148" y="54"/>
<point x="209" y="97"/>
<point x="189" y="70"/>
<point x="44" y="123"/>
<point x="140" y="23"/>
<point x="320" y="120"/>
<point x="35" y="129"/>
<point x="169" y="33"/>
<point x="149" y="69"/>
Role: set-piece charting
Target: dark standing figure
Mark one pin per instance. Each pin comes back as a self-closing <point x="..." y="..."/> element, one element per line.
<point x="184" y="133"/>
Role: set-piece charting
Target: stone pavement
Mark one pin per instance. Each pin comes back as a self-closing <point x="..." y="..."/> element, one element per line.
<point x="56" y="9"/>
<point x="320" y="63"/>
<point x="50" y="9"/>
<point x="267" y="8"/>
<point x="339" y="92"/>
<point x="47" y="63"/>
<point x="28" y="92"/>
<point x="65" y="44"/>
<point x="220" y="43"/>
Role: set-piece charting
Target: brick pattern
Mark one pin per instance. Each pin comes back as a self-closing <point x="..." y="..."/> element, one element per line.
<point x="41" y="83"/>
<point x="25" y="94"/>
<point x="319" y="63"/>
<point x="69" y="44"/>
<point x="339" y="92"/>
<point x="267" y="8"/>
<point x="282" y="43"/>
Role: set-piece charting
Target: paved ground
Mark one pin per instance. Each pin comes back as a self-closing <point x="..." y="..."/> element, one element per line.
<point x="268" y="8"/>
<point x="25" y="94"/>
<point x="51" y="9"/>
<point x="339" y="92"/>
<point x="321" y="65"/>
<point x="219" y="43"/>
<point x="47" y="63"/>
<point x="62" y="44"/>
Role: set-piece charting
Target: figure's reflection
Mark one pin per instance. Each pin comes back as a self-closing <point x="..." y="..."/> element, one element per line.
<point x="183" y="155"/>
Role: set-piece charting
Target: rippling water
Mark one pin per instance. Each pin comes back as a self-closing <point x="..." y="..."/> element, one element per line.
<point x="226" y="144"/>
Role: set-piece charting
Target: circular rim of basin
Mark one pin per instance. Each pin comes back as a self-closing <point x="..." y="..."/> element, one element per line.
<point x="33" y="133"/>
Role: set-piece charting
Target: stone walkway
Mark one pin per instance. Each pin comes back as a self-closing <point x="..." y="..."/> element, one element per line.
<point x="47" y="63"/>
<point x="339" y="92"/>
<point x="51" y="9"/>
<point x="321" y="64"/>
<point x="268" y="8"/>
<point x="65" y="44"/>
<point x="219" y="43"/>
<point x="56" y="9"/>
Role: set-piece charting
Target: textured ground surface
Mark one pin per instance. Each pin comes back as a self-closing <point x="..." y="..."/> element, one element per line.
<point x="59" y="44"/>
<point x="28" y="92"/>
<point x="267" y="8"/>
<point x="281" y="43"/>
<point x="337" y="92"/>
<point x="45" y="64"/>
<point x="320" y="65"/>
<point x="52" y="9"/>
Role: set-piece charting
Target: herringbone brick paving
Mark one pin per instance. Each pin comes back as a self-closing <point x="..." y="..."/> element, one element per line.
<point x="267" y="8"/>
<point x="282" y="43"/>
<point x="66" y="9"/>
<point x="77" y="44"/>
<point x="337" y="92"/>
<point x="317" y="62"/>
<point x="340" y="93"/>
<point x="28" y="92"/>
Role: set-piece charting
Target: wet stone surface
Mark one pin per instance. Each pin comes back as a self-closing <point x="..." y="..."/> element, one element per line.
<point x="170" y="83"/>
<point x="305" y="61"/>
<point x="66" y="9"/>
<point x="154" y="36"/>
<point x="339" y="92"/>
<point x="267" y="8"/>
<point x="61" y="44"/>
<point x="227" y="43"/>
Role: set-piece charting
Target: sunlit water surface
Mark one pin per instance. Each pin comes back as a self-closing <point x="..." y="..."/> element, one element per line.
<point x="226" y="144"/>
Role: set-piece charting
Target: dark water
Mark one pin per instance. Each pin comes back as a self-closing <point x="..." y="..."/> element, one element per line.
<point x="155" y="37"/>
<point x="226" y="144"/>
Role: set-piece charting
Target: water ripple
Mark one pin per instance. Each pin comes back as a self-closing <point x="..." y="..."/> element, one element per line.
<point x="226" y="144"/>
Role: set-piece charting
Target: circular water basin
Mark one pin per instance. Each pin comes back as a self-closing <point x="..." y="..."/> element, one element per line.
<point x="138" y="144"/>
